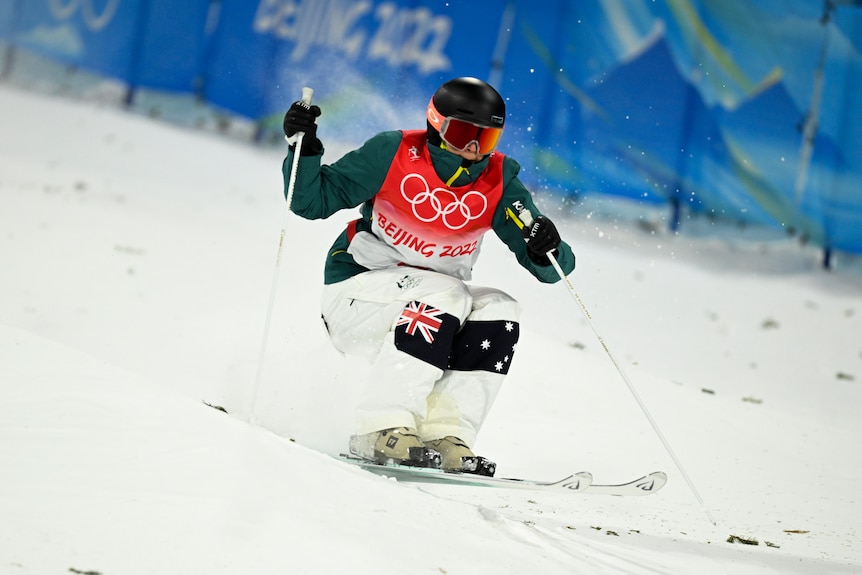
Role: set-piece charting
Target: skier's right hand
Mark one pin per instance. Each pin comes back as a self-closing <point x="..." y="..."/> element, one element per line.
<point x="301" y="118"/>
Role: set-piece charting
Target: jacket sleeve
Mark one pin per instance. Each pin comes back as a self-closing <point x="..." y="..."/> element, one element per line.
<point x="322" y="190"/>
<point x="516" y="197"/>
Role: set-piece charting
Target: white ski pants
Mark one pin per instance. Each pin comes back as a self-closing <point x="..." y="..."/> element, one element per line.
<point x="439" y="348"/>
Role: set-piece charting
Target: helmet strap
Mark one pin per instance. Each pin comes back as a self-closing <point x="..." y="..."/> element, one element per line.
<point x="434" y="136"/>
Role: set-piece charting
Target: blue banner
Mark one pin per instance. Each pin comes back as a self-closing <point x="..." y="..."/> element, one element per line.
<point x="8" y="17"/>
<point x="175" y="45"/>
<point x="729" y="108"/>
<point x="98" y="35"/>
<point x="362" y="57"/>
<point x="157" y="44"/>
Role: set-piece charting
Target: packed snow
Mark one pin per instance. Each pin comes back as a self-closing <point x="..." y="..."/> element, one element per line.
<point x="137" y="262"/>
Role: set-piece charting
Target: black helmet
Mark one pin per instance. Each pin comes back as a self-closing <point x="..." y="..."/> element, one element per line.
<point x="469" y="99"/>
<point x="465" y="112"/>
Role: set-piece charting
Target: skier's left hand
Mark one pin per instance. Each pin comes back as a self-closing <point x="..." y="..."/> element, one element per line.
<point x="541" y="237"/>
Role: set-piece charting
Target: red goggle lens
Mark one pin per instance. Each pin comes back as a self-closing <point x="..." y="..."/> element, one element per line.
<point x="459" y="134"/>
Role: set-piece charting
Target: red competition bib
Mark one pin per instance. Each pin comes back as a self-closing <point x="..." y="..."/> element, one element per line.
<point x="431" y="224"/>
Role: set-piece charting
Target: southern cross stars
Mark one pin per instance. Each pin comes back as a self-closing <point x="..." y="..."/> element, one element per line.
<point x="485" y="345"/>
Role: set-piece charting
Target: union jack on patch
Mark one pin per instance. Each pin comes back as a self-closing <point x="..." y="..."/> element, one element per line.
<point x="421" y="317"/>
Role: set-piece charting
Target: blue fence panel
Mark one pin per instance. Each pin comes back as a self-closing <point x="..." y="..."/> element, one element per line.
<point x="543" y="120"/>
<point x="157" y="44"/>
<point x="548" y="66"/>
<point x="843" y="85"/>
<point x="752" y="64"/>
<point x="361" y="57"/>
<point x="174" y="46"/>
<point x="98" y="35"/>
<point x="704" y="104"/>
<point x="741" y="109"/>
<point x="773" y="74"/>
<point x="239" y="70"/>
<point x="8" y="11"/>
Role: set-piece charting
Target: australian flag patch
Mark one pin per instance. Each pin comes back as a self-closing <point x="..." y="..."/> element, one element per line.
<point x="426" y="333"/>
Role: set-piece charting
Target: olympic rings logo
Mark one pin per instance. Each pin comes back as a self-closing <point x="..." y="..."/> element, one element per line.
<point x="93" y="20"/>
<point x="455" y="212"/>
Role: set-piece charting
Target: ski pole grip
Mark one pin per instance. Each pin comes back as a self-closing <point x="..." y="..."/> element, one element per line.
<point x="307" y="93"/>
<point x="527" y="218"/>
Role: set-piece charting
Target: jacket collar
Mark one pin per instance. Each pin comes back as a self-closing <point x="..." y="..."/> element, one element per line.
<point x="450" y="169"/>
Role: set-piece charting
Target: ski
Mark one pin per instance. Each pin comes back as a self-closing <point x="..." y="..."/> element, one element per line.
<point x="581" y="482"/>
<point x="576" y="483"/>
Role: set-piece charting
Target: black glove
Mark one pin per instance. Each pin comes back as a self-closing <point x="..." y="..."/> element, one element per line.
<point x="301" y="118"/>
<point x="542" y="237"/>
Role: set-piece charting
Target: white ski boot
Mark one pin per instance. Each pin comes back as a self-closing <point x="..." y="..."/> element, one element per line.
<point x="456" y="456"/>
<point x="399" y="445"/>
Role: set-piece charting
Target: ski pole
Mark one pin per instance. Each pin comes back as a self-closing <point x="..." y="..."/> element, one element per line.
<point x="307" y="93"/>
<point x="525" y="218"/>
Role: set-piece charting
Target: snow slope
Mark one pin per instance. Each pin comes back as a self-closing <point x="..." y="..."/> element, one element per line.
<point x="137" y="259"/>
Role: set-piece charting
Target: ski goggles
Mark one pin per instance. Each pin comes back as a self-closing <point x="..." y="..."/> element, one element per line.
<point x="459" y="134"/>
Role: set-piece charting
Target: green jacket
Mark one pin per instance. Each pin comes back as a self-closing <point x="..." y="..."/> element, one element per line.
<point x="356" y="178"/>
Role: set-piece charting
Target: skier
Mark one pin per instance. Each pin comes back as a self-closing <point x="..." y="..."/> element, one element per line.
<point x="395" y="288"/>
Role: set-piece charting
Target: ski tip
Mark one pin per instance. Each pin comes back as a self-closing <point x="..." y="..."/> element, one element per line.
<point x="652" y="482"/>
<point x="645" y="485"/>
